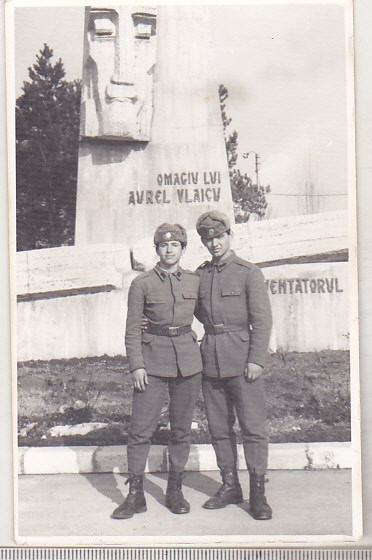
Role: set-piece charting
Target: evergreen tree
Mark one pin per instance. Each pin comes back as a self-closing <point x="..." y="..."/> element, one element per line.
<point x="248" y="198"/>
<point x="231" y="141"/>
<point x="47" y="135"/>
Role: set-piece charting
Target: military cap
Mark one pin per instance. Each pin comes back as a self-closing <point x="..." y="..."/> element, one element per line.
<point x="170" y="232"/>
<point x="212" y="224"/>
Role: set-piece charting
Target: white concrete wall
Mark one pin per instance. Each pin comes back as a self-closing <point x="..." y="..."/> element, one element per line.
<point x="93" y="324"/>
<point x="267" y="240"/>
<point x="313" y="314"/>
<point x="72" y="326"/>
<point x="66" y="268"/>
<point x="72" y="300"/>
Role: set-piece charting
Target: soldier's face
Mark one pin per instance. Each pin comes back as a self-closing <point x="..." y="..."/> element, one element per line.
<point x="169" y="252"/>
<point x="220" y="246"/>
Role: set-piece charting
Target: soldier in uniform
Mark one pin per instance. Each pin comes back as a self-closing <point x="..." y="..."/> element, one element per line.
<point x="235" y="311"/>
<point x="163" y="355"/>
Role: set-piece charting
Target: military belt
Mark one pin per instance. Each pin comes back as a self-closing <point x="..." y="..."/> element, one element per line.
<point x="220" y="329"/>
<point x="167" y="331"/>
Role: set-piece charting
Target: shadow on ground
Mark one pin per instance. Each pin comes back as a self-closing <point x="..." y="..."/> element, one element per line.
<point x="107" y="486"/>
<point x="196" y="481"/>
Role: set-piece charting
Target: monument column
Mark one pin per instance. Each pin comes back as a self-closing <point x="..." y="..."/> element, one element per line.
<point x="152" y="146"/>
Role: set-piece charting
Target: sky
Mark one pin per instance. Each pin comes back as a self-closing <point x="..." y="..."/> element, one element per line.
<point x="284" y="66"/>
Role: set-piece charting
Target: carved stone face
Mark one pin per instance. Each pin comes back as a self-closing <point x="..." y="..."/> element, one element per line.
<point x="119" y="60"/>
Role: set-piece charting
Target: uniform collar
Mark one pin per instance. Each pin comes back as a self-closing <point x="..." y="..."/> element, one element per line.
<point x="164" y="275"/>
<point x="225" y="263"/>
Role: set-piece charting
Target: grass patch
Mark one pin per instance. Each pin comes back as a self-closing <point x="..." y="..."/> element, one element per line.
<point x="307" y="394"/>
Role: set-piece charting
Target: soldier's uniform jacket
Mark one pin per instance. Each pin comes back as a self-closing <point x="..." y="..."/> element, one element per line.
<point x="165" y="300"/>
<point x="233" y="294"/>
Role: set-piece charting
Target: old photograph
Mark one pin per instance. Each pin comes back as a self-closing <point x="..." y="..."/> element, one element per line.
<point x="184" y="311"/>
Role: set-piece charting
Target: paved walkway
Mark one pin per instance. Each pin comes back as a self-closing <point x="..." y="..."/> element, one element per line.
<point x="304" y="503"/>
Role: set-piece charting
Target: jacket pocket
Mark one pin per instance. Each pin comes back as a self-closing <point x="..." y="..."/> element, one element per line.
<point x="147" y="337"/>
<point x="154" y="299"/>
<point x="189" y="295"/>
<point x="231" y="291"/>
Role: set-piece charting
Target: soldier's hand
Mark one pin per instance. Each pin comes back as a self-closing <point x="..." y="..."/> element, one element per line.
<point x="144" y="323"/>
<point x="252" y="372"/>
<point x="139" y="377"/>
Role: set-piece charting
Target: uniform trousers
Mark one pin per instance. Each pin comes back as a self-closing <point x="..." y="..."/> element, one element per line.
<point x="225" y="396"/>
<point x="146" y="410"/>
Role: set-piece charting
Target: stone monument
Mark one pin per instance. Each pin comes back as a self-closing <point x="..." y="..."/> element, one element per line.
<point x="152" y="146"/>
<point x="119" y="61"/>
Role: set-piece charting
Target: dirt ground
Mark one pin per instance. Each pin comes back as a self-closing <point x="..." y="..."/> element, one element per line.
<point x="307" y="400"/>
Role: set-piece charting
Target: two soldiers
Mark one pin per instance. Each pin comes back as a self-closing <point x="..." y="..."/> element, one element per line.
<point x="228" y="295"/>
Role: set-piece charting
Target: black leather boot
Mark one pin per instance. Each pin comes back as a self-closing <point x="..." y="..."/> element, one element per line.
<point x="174" y="499"/>
<point x="229" y="493"/>
<point x="135" y="502"/>
<point x="258" y="505"/>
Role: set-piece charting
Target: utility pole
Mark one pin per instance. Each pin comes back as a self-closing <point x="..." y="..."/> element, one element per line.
<point x="257" y="163"/>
